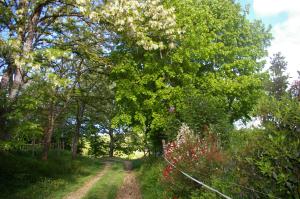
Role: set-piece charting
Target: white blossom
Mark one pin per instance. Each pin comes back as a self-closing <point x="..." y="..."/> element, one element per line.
<point x="80" y="1"/>
<point x="130" y="19"/>
<point x="93" y="15"/>
<point x="143" y="20"/>
<point x="183" y="133"/>
<point x="171" y="45"/>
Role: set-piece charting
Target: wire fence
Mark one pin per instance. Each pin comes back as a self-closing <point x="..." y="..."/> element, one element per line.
<point x="35" y="147"/>
<point x="198" y="181"/>
<point x="224" y="183"/>
<point x="29" y="147"/>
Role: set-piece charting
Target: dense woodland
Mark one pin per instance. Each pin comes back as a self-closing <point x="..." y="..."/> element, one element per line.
<point x="115" y="77"/>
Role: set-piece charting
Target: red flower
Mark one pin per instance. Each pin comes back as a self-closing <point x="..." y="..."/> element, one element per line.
<point x="167" y="171"/>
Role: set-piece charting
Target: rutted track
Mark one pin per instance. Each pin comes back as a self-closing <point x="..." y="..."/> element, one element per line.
<point x="130" y="188"/>
<point x="82" y="191"/>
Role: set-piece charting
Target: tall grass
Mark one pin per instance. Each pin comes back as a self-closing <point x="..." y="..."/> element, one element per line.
<point x="26" y="177"/>
<point x="149" y="172"/>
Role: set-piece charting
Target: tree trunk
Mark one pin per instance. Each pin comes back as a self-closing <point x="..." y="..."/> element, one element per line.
<point x="4" y="108"/>
<point x="17" y="82"/>
<point x="79" y="116"/>
<point x="5" y="80"/>
<point x="48" y="133"/>
<point x="111" y="143"/>
<point x="2" y="126"/>
<point x="4" y="134"/>
<point x="33" y="147"/>
<point x="75" y="142"/>
<point x="27" y="47"/>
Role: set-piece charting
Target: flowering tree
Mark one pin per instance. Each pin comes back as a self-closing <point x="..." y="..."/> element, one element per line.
<point x="37" y="35"/>
<point x="213" y="59"/>
<point x="28" y="26"/>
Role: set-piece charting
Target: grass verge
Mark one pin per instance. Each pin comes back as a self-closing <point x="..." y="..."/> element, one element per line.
<point x="149" y="172"/>
<point x="25" y="177"/>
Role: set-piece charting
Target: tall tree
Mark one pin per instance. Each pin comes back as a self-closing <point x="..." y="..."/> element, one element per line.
<point x="276" y="154"/>
<point x="216" y="53"/>
<point x="295" y="88"/>
<point x="28" y="29"/>
<point x="278" y="79"/>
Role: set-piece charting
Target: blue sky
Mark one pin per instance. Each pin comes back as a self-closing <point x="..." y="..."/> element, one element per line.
<point x="284" y="17"/>
<point x="268" y="20"/>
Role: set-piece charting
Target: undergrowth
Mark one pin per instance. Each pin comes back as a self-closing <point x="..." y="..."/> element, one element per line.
<point x="27" y="177"/>
<point x="149" y="172"/>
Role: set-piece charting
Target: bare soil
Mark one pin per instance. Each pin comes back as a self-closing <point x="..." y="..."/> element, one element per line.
<point x="82" y="191"/>
<point x="130" y="188"/>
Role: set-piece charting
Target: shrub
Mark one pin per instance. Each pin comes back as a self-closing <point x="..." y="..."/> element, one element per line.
<point x="194" y="155"/>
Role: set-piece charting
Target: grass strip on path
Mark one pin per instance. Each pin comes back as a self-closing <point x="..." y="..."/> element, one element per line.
<point x="107" y="187"/>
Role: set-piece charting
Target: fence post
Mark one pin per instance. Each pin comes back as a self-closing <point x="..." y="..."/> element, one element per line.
<point x="164" y="146"/>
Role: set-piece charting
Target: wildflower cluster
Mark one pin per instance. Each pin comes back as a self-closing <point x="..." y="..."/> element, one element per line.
<point x="148" y="22"/>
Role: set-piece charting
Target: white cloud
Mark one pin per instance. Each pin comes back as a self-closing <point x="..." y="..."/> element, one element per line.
<point x="287" y="33"/>
<point x="274" y="7"/>
<point x="287" y="40"/>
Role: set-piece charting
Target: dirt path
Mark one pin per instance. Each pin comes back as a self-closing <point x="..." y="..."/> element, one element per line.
<point x="82" y="191"/>
<point x="130" y="188"/>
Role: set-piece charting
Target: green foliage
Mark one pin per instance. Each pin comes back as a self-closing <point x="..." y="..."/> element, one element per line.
<point x="199" y="111"/>
<point x="278" y="82"/>
<point x="139" y="74"/>
<point x="158" y="53"/>
<point x="278" y="153"/>
<point x="216" y="59"/>
<point x="219" y="52"/>
<point x="98" y="146"/>
<point x="295" y="88"/>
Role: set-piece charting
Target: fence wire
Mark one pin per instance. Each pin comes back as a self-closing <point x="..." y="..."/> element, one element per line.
<point x="199" y="182"/>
